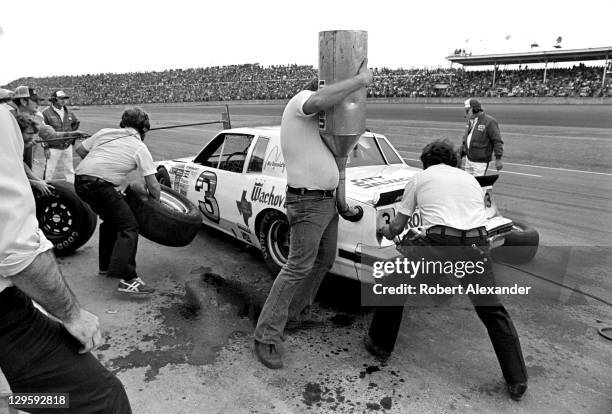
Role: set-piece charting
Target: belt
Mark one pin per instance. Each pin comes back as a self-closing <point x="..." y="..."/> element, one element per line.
<point x="92" y="179"/>
<point x="451" y="231"/>
<point x="305" y="191"/>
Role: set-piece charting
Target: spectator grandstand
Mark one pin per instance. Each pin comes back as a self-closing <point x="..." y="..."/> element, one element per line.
<point x="255" y="82"/>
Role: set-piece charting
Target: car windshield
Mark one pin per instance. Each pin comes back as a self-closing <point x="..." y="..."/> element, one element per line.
<point x="365" y="153"/>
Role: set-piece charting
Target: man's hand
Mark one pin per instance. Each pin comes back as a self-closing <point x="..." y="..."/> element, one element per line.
<point x="385" y="232"/>
<point x="82" y="134"/>
<point x="41" y="186"/>
<point x="499" y="164"/>
<point x="86" y="328"/>
<point x="365" y="73"/>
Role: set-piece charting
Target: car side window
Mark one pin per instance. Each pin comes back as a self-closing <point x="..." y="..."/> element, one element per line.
<point x="226" y="152"/>
<point x="257" y="158"/>
<point x="390" y="155"/>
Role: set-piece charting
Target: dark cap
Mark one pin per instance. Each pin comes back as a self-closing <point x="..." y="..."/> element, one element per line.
<point x="474" y="104"/>
<point x="58" y="94"/>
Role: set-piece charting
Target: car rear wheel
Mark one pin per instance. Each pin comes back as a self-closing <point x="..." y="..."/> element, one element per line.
<point x="64" y="218"/>
<point x="520" y="245"/>
<point x="274" y="240"/>
<point x="173" y="221"/>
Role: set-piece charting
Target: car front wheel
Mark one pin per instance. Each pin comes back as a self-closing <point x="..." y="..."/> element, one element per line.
<point x="274" y="240"/>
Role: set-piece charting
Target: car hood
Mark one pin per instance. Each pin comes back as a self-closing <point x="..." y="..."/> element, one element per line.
<point x="367" y="184"/>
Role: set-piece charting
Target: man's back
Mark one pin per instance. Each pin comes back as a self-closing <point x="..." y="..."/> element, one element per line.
<point x="114" y="153"/>
<point x="448" y="196"/>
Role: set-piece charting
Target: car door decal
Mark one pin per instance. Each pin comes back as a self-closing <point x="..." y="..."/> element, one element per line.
<point x="245" y="208"/>
<point x="209" y="207"/>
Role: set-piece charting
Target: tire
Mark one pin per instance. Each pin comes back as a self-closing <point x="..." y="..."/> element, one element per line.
<point x="175" y="221"/>
<point x="274" y="240"/>
<point x="64" y="218"/>
<point x="520" y="246"/>
<point x="162" y="176"/>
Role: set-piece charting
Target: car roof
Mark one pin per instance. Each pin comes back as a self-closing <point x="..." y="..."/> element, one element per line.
<point x="272" y="130"/>
<point x="261" y="130"/>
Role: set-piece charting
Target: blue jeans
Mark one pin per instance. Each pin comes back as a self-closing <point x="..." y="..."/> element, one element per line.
<point x="313" y="222"/>
<point x="118" y="230"/>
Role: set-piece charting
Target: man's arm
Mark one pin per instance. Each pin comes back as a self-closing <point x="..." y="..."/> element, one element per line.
<point x="43" y="282"/>
<point x="47" y="132"/>
<point x="153" y="186"/>
<point x="76" y="122"/>
<point x="80" y="150"/>
<point x="37" y="183"/>
<point x="335" y="93"/>
<point x="394" y="228"/>
<point x="496" y="139"/>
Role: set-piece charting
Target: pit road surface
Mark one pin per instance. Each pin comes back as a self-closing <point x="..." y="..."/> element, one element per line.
<point x="557" y="177"/>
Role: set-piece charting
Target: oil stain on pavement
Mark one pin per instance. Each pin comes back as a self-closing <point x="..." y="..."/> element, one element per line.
<point x="189" y="334"/>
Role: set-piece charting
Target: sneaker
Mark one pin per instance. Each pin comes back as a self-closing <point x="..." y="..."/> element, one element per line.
<point x="380" y="354"/>
<point x="268" y="354"/>
<point x="308" y="323"/>
<point x="103" y="272"/>
<point x="135" y="286"/>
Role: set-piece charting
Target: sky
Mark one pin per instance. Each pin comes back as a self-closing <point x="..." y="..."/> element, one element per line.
<point x="69" y="37"/>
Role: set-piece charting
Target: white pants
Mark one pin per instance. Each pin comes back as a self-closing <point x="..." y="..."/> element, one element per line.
<point x="59" y="165"/>
<point x="476" y="169"/>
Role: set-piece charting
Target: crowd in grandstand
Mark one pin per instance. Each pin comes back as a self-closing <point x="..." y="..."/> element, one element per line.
<point x="254" y="82"/>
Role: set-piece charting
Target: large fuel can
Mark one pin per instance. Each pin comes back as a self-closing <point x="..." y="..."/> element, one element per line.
<point x="341" y="52"/>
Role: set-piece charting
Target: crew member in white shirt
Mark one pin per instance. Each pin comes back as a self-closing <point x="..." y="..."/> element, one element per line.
<point x="451" y="204"/>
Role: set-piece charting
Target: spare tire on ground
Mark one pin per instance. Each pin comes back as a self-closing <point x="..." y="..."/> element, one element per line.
<point x="66" y="220"/>
<point x="174" y="221"/>
<point x="520" y="245"/>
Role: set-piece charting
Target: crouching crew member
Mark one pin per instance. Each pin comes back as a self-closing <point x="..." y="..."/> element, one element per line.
<point x="108" y="157"/>
<point x="451" y="204"/>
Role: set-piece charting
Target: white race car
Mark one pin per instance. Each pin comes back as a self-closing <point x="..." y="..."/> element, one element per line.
<point x="238" y="182"/>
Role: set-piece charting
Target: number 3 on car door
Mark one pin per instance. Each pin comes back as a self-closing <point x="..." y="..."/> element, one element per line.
<point x="209" y="207"/>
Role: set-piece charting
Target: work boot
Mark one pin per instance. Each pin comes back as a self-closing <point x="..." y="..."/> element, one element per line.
<point x="268" y="354"/>
<point x="380" y="354"/>
<point x="516" y="391"/>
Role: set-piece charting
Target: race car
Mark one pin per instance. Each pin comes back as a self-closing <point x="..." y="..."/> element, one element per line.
<point x="238" y="181"/>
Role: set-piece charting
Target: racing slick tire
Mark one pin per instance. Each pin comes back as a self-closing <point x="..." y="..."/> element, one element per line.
<point x="174" y="221"/>
<point x="66" y="220"/>
<point x="520" y="245"/>
<point x="274" y="240"/>
<point x="162" y="176"/>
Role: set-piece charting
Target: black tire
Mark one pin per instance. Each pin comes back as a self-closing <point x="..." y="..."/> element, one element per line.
<point x="274" y="240"/>
<point x="162" y="176"/>
<point x="64" y="218"/>
<point x="520" y="246"/>
<point x="175" y="221"/>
